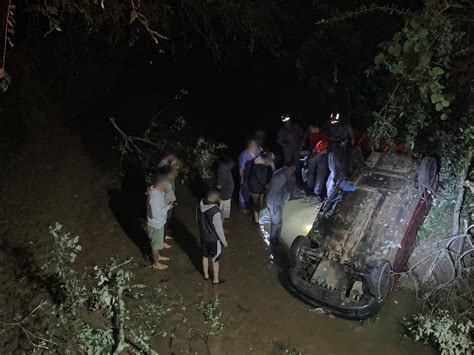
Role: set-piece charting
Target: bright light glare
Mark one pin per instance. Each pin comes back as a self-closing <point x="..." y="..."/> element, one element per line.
<point x="308" y="228"/>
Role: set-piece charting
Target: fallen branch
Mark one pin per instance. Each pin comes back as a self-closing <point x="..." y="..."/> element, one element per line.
<point x="30" y="336"/>
<point x="362" y="11"/>
<point x="459" y="200"/>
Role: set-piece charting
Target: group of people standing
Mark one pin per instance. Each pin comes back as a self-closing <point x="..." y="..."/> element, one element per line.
<point x="262" y="187"/>
<point x="210" y="214"/>
<point x="317" y="174"/>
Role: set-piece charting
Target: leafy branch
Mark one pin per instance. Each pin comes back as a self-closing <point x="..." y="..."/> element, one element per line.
<point x="362" y="11"/>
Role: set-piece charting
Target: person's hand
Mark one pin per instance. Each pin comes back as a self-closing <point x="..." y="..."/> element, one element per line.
<point x="170" y="205"/>
<point x="225" y="244"/>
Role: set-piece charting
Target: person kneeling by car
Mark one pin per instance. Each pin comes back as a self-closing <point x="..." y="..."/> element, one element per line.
<point x="212" y="233"/>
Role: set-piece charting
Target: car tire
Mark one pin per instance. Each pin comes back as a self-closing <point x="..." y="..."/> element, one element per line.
<point x="427" y="173"/>
<point x="379" y="279"/>
<point x="295" y="249"/>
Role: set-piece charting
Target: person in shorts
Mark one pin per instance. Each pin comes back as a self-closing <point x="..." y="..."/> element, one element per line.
<point x="225" y="184"/>
<point x="259" y="177"/>
<point x="157" y="210"/>
<point x="212" y="233"/>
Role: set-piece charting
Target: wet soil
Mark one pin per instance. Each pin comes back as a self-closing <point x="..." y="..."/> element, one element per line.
<point x="54" y="179"/>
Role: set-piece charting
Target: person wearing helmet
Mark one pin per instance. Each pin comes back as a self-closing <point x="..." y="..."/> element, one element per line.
<point x="339" y="136"/>
<point x="290" y="137"/>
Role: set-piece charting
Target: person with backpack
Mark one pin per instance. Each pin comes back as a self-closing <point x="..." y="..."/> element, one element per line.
<point x="212" y="234"/>
<point x="259" y="177"/>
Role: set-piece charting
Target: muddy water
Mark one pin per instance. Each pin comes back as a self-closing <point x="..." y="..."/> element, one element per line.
<point x="259" y="315"/>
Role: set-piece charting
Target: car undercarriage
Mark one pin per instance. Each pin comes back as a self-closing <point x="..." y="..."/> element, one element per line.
<point x="346" y="262"/>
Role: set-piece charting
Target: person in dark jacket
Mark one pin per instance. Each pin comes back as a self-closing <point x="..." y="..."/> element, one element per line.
<point x="259" y="177"/>
<point x="290" y="137"/>
<point x="225" y="184"/>
<point x="282" y="187"/>
<point x="212" y="233"/>
<point x="339" y="138"/>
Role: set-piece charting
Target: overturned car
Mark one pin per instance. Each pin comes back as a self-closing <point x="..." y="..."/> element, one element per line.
<point x="346" y="262"/>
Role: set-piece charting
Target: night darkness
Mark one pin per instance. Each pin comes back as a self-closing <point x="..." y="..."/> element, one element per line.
<point x="122" y="232"/>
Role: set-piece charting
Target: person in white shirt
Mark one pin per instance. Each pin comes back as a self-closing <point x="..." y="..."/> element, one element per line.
<point x="157" y="210"/>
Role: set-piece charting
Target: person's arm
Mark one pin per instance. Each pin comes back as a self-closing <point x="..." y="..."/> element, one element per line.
<point x="293" y="187"/>
<point x="159" y="208"/>
<point x="217" y="222"/>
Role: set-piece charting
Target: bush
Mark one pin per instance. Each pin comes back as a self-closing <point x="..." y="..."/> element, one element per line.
<point x="212" y="316"/>
<point x="452" y="336"/>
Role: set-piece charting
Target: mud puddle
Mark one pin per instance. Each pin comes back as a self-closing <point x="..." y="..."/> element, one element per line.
<point x="258" y="313"/>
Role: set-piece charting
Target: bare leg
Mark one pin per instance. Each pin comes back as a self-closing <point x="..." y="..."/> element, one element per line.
<point x="205" y="267"/>
<point x="215" y="271"/>
<point x="156" y="260"/>
<point x="256" y="216"/>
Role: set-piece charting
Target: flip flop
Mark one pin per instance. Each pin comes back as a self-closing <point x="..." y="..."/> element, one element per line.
<point x="160" y="267"/>
<point x="221" y="281"/>
<point x="206" y="278"/>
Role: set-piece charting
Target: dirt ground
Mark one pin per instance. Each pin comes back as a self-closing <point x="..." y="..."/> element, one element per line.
<point x="54" y="179"/>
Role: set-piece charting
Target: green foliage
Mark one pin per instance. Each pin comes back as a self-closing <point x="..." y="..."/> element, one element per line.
<point x="426" y="92"/>
<point x="96" y="340"/>
<point x="212" y="316"/>
<point x="113" y="314"/>
<point x="440" y="214"/>
<point x="69" y="292"/>
<point x="107" y="299"/>
<point x="451" y="335"/>
<point x="205" y="154"/>
<point x="112" y="280"/>
<point x="167" y="131"/>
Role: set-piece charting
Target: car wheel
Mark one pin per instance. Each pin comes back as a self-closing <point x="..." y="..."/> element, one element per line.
<point x="380" y="278"/>
<point x="295" y="249"/>
<point x="427" y="173"/>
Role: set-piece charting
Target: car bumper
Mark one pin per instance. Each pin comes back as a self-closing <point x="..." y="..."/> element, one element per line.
<point x="332" y="302"/>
